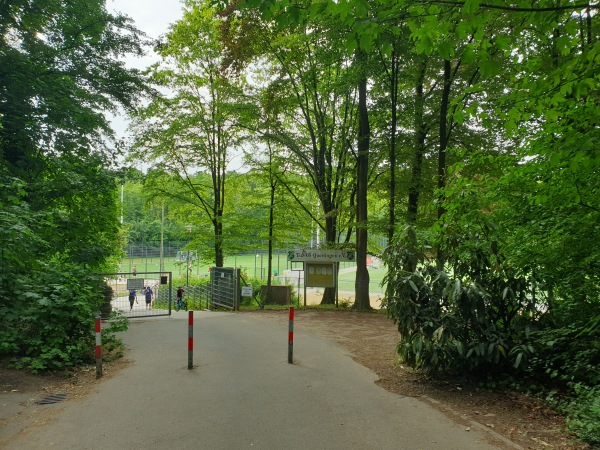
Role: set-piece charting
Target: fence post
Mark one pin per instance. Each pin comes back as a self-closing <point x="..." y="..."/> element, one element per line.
<point x="291" y="337"/>
<point x="98" y="347"/>
<point x="190" y="340"/>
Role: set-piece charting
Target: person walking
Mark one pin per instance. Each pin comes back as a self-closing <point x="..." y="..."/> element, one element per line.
<point x="132" y="295"/>
<point x="149" y="295"/>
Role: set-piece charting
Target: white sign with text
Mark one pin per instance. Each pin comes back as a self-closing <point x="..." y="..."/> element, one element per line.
<point x="321" y="255"/>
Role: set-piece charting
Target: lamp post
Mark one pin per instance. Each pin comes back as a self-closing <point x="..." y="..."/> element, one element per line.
<point x="188" y="228"/>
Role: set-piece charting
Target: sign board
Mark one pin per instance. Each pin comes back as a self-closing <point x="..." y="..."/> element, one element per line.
<point x="321" y="255"/>
<point x="135" y="283"/>
<point x="320" y="274"/>
<point x="247" y="291"/>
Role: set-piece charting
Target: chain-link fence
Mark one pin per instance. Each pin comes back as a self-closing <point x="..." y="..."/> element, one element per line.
<point x="147" y="294"/>
<point x="142" y="294"/>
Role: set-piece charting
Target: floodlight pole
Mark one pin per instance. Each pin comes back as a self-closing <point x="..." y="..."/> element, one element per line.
<point x="187" y="268"/>
<point x="187" y="257"/>
<point x="162" y="233"/>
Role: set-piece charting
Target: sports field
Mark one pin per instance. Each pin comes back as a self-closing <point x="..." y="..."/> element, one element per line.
<point x="255" y="265"/>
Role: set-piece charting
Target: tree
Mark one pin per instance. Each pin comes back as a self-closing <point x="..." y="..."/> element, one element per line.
<point x="59" y="74"/>
<point x="516" y="233"/>
<point x="313" y="100"/>
<point x="197" y="128"/>
<point x="310" y="113"/>
<point x="362" y="178"/>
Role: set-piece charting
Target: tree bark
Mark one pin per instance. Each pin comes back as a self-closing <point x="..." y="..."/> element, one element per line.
<point x="441" y="174"/>
<point x="273" y="186"/>
<point x="330" y="237"/>
<point x="414" y="189"/>
<point x="394" y="73"/>
<point x="218" y="226"/>
<point x="362" y="301"/>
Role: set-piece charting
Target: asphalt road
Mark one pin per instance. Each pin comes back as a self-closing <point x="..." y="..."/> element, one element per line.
<point x="242" y="394"/>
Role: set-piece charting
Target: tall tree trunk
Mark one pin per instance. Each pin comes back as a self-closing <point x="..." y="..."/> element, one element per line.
<point x="330" y="236"/>
<point x="414" y="189"/>
<point x="362" y="301"/>
<point x="271" y="222"/>
<point x="441" y="174"/>
<point x="394" y="88"/>
<point x="219" y="191"/>
<point x="218" y="226"/>
<point x="392" y="155"/>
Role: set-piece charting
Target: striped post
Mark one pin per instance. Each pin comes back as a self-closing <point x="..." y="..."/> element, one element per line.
<point x="190" y="340"/>
<point x="98" y="347"/>
<point x="291" y="337"/>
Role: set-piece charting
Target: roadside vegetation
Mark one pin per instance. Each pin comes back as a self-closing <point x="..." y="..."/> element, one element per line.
<point x="456" y="141"/>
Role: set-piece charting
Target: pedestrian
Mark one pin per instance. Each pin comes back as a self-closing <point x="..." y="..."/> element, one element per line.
<point x="132" y="295"/>
<point x="134" y="271"/>
<point x="180" y="294"/>
<point x="149" y="294"/>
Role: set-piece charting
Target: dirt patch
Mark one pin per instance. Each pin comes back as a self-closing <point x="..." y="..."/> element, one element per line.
<point x="372" y="338"/>
<point x="20" y="391"/>
<point x="77" y="382"/>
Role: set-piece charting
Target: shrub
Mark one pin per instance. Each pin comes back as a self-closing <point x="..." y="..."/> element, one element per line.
<point x="473" y="317"/>
<point x="50" y="322"/>
<point x="583" y="413"/>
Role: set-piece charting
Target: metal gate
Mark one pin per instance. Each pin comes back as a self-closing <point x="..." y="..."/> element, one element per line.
<point x="126" y="292"/>
<point x="225" y="287"/>
<point x="138" y="294"/>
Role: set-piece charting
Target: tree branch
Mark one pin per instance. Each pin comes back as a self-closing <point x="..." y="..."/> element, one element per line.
<point x="577" y="6"/>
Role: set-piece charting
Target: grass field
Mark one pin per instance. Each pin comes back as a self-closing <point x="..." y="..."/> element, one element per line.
<point x="254" y="265"/>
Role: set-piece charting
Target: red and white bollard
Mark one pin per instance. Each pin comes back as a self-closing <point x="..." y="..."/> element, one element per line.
<point x="291" y="337"/>
<point x="98" y="347"/>
<point x="190" y="340"/>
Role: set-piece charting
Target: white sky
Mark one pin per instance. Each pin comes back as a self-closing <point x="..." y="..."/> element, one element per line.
<point x="153" y="17"/>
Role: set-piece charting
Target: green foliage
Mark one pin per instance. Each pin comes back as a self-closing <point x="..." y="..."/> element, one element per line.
<point x="565" y="354"/>
<point x="48" y="317"/>
<point x="189" y="135"/>
<point x="60" y="73"/>
<point x="59" y="70"/>
<point x="48" y="296"/>
<point x="112" y="347"/>
<point x="584" y="412"/>
<point x="471" y="318"/>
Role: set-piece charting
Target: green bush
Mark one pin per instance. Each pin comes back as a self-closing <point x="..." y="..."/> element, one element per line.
<point x="113" y="347"/>
<point x="583" y="413"/>
<point x="568" y="356"/>
<point x="49" y="324"/>
<point x="480" y="317"/>
<point x="473" y="317"/>
<point x="48" y="293"/>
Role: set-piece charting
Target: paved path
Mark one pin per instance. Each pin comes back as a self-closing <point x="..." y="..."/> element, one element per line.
<point x="242" y="394"/>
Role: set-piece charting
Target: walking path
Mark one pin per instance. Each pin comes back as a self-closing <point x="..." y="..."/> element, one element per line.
<point x="242" y="394"/>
